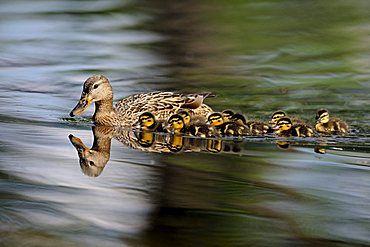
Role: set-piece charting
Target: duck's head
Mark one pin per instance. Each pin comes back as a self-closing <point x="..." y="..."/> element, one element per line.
<point x="276" y="116"/>
<point x="146" y="121"/>
<point x="322" y="116"/>
<point x="283" y="124"/>
<point x="215" y="119"/>
<point x="186" y="116"/>
<point x="238" y="118"/>
<point x="175" y="123"/>
<point x="96" y="88"/>
<point x="227" y="114"/>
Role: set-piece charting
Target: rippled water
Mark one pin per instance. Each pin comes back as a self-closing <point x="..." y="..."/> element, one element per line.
<point x="257" y="56"/>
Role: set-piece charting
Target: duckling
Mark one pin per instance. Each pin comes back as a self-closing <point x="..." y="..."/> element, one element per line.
<point x="176" y="124"/>
<point x="254" y="127"/>
<point x="148" y="122"/>
<point x="227" y="114"/>
<point x="194" y="127"/>
<point x="220" y="127"/>
<point x="327" y="125"/>
<point x="281" y="114"/>
<point x="284" y="127"/>
<point x="185" y="116"/>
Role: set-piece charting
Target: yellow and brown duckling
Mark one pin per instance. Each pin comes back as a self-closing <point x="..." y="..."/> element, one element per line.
<point x="282" y="114"/>
<point x="254" y="127"/>
<point x="147" y="122"/>
<point x="216" y="121"/>
<point x="176" y="124"/>
<point x="326" y="125"/>
<point x="227" y="114"/>
<point x="162" y="104"/>
<point x="194" y="127"/>
<point x="285" y="127"/>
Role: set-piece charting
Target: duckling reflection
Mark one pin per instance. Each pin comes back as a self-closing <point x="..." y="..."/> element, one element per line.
<point x="93" y="160"/>
<point x="283" y="144"/>
<point x="145" y="138"/>
<point x="215" y="145"/>
<point x="175" y="143"/>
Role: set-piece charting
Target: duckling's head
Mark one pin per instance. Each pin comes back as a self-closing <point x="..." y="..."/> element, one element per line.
<point x="186" y="116"/>
<point x="146" y="120"/>
<point x="175" y="123"/>
<point x="276" y="116"/>
<point x="283" y="124"/>
<point x="215" y="119"/>
<point x="322" y="116"/>
<point x="238" y="118"/>
<point x="96" y="88"/>
<point x="227" y="114"/>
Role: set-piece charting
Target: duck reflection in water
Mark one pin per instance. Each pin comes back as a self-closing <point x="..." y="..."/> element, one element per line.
<point x="94" y="159"/>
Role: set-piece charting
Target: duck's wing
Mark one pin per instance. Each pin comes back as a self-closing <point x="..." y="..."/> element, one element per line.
<point x="161" y="104"/>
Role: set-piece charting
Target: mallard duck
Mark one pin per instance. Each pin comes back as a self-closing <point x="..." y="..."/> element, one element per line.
<point x="216" y="120"/>
<point x="284" y="127"/>
<point x="254" y="127"/>
<point x="162" y="104"/>
<point x="148" y="122"/>
<point x="327" y="125"/>
<point x="281" y="114"/>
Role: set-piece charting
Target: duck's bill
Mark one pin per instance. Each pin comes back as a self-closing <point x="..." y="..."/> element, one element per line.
<point x="78" y="144"/>
<point x="81" y="106"/>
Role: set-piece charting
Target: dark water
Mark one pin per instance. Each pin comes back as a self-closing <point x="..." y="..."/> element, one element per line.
<point x="257" y="56"/>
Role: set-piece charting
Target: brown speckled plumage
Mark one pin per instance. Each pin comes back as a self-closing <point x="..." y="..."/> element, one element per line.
<point x="126" y="112"/>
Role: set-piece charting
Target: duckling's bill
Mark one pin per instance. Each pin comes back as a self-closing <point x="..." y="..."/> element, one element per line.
<point x="81" y="106"/>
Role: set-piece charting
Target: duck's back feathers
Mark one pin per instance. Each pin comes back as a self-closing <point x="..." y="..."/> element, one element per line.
<point x="161" y="104"/>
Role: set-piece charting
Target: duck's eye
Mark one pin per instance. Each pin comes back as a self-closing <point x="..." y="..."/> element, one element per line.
<point x="92" y="163"/>
<point x="96" y="86"/>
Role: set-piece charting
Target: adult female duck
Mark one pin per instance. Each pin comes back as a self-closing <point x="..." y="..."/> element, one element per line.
<point x="127" y="111"/>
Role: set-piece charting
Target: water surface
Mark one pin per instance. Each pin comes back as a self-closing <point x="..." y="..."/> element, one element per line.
<point x="257" y="56"/>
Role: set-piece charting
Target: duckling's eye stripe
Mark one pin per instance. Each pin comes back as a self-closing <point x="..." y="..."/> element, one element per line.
<point x="173" y="120"/>
<point x="214" y="118"/>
